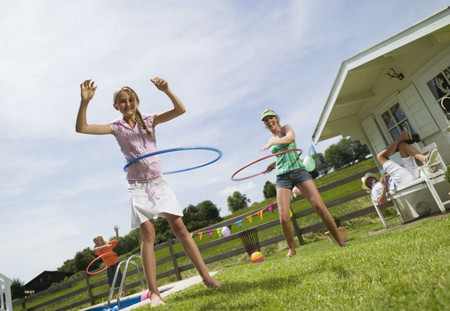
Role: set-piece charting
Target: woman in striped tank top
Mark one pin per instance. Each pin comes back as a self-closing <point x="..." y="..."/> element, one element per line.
<point x="290" y="172"/>
<point x="149" y="192"/>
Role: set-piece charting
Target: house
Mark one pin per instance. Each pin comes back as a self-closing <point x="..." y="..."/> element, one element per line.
<point x="401" y="79"/>
<point x="44" y="281"/>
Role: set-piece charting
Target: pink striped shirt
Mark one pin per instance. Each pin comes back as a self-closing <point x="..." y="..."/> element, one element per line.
<point x="134" y="143"/>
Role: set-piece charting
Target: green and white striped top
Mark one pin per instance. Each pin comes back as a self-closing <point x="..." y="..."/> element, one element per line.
<point x="288" y="161"/>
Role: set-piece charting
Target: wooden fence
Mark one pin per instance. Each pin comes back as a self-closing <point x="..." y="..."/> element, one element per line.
<point x="177" y="269"/>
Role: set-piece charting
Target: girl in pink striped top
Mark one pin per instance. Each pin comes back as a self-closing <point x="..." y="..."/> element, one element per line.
<point x="149" y="192"/>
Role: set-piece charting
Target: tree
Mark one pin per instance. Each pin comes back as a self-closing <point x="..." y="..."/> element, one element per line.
<point x="163" y="231"/>
<point x="340" y="154"/>
<point x="322" y="166"/>
<point x="68" y="266"/>
<point x="17" y="289"/>
<point x="208" y="211"/>
<point x="360" y="151"/>
<point x="84" y="258"/>
<point x="237" y="201"/>
<point x="269" y="190"/>
<point x="204" y="214"/>
<point x="128" y="243"/>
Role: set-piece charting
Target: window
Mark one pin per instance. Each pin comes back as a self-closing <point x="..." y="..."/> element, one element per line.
<point x="394" y="118"/>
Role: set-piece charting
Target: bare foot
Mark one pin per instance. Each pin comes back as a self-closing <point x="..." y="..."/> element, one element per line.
<point x="212" y="283"/>
<point x="156" y="300"/>
<point x="290" y="254"/>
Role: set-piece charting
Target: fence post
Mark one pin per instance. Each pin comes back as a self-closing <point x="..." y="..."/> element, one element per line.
<point x="298" y="233"/>
<point x="174" y="259"/>
<point x="24" y="303"/>
<point x="89" y="289"/>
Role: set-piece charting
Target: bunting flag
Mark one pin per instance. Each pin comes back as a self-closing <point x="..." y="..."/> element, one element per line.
<point x="290" y="213"/>
<point x="260" y="213"/>
<point x="313" y="150"/>
<point x="270" y="207"/>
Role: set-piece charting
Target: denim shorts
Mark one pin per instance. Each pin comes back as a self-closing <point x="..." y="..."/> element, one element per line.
<point x="293" y="178"/>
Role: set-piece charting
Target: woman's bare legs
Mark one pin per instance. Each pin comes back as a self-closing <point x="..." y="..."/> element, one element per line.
<point x="191" y="249"/>
<point x="406" y="150"/>
<point x="284" y="203"/>
<point x="384" y="154"/>
<point x="149" y="261"/>
<point x="309" y="190"/>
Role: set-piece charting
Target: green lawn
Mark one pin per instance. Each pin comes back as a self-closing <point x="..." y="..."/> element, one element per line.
<point x="402" y="269"/>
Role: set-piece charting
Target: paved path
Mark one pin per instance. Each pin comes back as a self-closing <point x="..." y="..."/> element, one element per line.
<point x="168" y="289"/>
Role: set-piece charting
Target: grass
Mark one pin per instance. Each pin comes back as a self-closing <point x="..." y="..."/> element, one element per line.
<point x="403" y="269"/>
<point x="254" y="280"/>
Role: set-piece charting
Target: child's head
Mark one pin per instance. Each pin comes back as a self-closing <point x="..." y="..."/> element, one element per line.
<point x="132" y="94"/>
<point x="127" y="89"/>
<point x="98" y="240"/>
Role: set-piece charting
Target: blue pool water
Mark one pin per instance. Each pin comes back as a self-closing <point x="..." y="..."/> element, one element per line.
<point x="124" y="303"/>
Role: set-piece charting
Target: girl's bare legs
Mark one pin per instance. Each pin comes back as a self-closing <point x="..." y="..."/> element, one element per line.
<point x="149" y="261"/>
<point x="191" y="249"/>
<point x="309" y="190"/>
<point x="284" y="202"/>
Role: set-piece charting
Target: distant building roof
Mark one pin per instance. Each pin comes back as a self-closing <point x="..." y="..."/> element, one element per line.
<point x="45" y="280"/>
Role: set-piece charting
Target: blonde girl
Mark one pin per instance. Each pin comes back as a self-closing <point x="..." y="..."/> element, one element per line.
<point x="290" y="172"/>
<point x="149" y="192"/>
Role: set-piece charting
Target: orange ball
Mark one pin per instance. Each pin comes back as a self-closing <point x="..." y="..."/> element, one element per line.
<point x="257" y="257"/>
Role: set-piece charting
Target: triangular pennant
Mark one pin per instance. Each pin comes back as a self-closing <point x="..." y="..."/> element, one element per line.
<point x="250" y="218"/>
<point x="192" y="235"/>
<point x="219" y="232"/>
<point x="209" y="233"/>
<point x="260" y="214"/>
<point x="200" y="235"/>
<point x="239" y="223"/>
<point x="270" y="208"/>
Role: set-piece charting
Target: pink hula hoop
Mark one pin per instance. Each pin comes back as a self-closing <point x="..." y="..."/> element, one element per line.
<point x="263" y="158"/>
<point x="101" y="270"/>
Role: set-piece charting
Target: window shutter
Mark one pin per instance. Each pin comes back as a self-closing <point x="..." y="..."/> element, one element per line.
<point x="376" y="138"/>
<point x="418" y="112"/>
<point x="373" y="133"/>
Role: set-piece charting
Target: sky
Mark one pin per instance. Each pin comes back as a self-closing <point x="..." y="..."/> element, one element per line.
<point x="226" y="60"/>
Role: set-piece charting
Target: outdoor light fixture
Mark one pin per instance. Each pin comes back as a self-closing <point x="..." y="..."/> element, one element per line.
<point x="399" y="76"/>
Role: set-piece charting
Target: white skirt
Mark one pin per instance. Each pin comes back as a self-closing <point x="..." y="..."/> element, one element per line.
<point x="150" y="199"/>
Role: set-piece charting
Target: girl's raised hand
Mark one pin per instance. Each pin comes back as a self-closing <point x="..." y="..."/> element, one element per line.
<point x="161" y="84"/>
<point x="87" y="90"/>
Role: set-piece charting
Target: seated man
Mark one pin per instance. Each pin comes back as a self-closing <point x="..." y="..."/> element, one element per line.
<point x="396" y="175"/>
